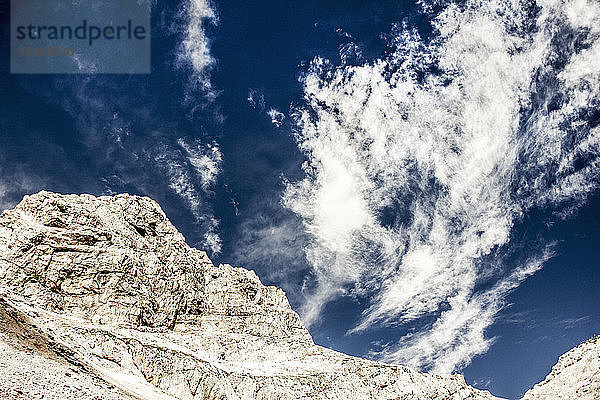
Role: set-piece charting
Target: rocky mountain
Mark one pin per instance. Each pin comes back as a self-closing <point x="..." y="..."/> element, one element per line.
<point x="101" y="298"/>
<point x="576" y="375"/>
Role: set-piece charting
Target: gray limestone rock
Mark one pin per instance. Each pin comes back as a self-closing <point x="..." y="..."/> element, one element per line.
<point x="576" y="375"/>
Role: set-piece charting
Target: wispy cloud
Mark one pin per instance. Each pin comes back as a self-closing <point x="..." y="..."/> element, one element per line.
<point x="256" y="99"/>
<point x="276" y="116"/>
<point x="415" y="179"/>
<point x="267" y="240"/>
<point x="194" y="50"/>
<point x="459" y="333"/>
<point x="192" y="170"/>
<point x="206" y="160"/>
<point x="14" y="184"/>
<point x="572" y="323"/>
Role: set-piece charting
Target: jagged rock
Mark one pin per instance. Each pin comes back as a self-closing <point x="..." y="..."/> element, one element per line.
<point x="107" y="286"/>
<point x="576" y="375"/>
<point x="31" y="370"/>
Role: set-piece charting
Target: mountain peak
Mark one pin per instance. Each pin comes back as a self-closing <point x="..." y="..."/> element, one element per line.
<point x="107" y="288"/>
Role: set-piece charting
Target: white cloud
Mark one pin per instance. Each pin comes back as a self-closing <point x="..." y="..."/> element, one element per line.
<point x="414" y="178"/>
<point x="206" y="160"/>
<point x="256" y="99"/>
<point x="195" y="46"/>
<point x="459" y="333"/>
<point x="276" y="116"/>
<point x="192" y="169"/>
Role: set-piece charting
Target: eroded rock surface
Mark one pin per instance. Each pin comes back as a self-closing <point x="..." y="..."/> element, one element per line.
<point x="576" y="375"/>
<point x="105" y="291"/>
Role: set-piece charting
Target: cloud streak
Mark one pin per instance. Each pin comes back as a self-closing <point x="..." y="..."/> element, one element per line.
<point x="192" y="170"/>
<point x="419" y="165"/>
<point x="194" y="50"/>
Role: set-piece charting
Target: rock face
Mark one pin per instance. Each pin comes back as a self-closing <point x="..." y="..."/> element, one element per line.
<point x="576" y="375"/>
<point x="101" y="298"/>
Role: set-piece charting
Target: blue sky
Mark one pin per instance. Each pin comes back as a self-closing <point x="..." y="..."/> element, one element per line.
<point x="425" y="196"/>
